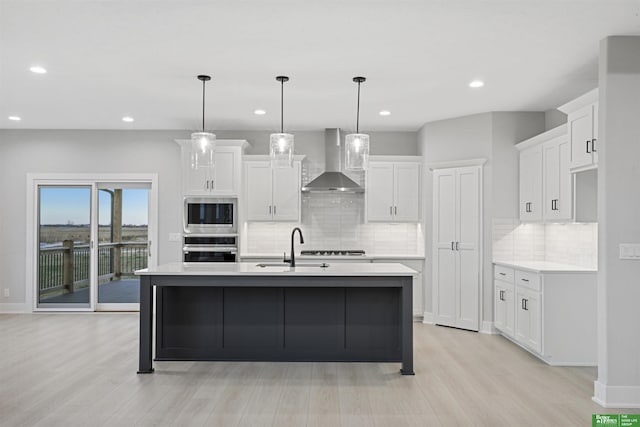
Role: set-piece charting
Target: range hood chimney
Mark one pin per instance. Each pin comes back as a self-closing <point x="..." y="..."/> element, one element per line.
<point x="332" y="179"/>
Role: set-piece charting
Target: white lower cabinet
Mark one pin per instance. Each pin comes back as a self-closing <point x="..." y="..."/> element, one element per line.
<point x="551" y="314"/>
<point x="504" y="318"/>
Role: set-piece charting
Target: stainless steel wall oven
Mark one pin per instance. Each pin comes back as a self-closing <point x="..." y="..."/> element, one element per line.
<point x="210" y="248"/>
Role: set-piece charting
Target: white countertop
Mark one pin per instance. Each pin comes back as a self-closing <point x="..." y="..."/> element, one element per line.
<point x="546" y="267"/>
<point x="252" y="269"/>
<point x="327" y="258"/>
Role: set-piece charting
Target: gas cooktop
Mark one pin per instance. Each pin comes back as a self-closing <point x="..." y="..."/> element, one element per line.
<point x="330" y="252"/>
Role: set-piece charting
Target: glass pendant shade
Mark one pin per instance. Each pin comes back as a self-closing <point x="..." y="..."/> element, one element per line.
<point x="356" y="151"/>
<point x="203" y="145"/>
<point x="281" y="150"/>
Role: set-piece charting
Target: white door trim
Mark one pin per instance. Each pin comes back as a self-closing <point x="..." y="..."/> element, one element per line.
<point x="36" y="179"/>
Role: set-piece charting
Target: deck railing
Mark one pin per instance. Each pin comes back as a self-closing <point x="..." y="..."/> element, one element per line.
<point x="67" y="267"/>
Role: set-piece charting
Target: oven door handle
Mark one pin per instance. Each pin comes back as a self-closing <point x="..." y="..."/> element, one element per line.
<point x="194" y="248"/>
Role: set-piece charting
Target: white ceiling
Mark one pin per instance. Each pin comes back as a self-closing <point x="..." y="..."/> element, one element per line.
<point x="108" y="59"/>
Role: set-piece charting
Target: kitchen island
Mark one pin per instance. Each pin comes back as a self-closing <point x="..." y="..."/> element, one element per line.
<point x="356" y="312"/>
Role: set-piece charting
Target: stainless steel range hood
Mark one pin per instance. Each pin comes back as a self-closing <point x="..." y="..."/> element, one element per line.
<point x="332" y="179"/>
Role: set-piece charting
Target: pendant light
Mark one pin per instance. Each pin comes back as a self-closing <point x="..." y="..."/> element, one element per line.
<point x="203" y="144"/>
<point x="281" y="144"/>
<point x="357" y="144"/>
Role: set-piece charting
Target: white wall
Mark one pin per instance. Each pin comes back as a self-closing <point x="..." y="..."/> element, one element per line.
<point x="490" y="136"/>
<point x="618" y="383"/>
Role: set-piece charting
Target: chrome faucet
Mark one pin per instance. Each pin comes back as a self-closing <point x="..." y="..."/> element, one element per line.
<point x="292" y="260"/>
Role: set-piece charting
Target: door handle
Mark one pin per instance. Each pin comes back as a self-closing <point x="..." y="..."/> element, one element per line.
<point x="588" y="151"/>
<point x="593" y="145"/>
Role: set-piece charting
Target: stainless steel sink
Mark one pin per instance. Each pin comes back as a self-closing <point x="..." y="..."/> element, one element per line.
<point x="298" y="264"/>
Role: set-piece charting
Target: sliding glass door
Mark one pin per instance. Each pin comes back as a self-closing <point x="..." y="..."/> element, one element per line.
<point x="123" y="239"/>
<point x="91" y="236"/>
<point x="64" y="247"/>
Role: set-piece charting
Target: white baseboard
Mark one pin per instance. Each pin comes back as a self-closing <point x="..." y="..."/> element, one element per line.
<point x="428" y="318"/>
<point x="487" y="328"/>
<point x="616" y="396"/>
<point x="14" y="307"/>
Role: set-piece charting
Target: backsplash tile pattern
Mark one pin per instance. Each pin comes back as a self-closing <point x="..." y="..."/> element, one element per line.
<point x="336" y="221"/>
<point x="575" y="244"/>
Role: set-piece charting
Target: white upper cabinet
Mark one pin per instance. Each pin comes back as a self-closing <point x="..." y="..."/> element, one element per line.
<point x="531" y="184"/>
<point x="223" y="180"/>
<point x="393" y="190"/>
<point x="545" y="178"/>
<point x="272" y="194"/>
<point x="582" y="120"/>
<point x="557" y="179"/>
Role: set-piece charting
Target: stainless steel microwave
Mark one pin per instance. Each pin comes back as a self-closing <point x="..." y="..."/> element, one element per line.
<point x="210" y="215"/>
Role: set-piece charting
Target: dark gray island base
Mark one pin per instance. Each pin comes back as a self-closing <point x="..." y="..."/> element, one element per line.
<point x="277" y="317"/>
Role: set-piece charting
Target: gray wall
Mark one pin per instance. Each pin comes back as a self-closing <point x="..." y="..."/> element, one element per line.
<point x="554" y="118"/>
<point x="618" y="381"/>
<point x="490" y="136"/>
<point x="75" y="151"/>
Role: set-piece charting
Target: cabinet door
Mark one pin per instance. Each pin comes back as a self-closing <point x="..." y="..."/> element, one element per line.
<point x="286" y="193"/>
<point x="467" y="247"/>
<point x="531" y="184"/>
<point x="258" y="191"/>
<point x="522" y="317"/>
<point x="444" y="238"/>
<point x="379" y="190"/>
<point x="197" y="182"/>
<point x="581" y="135"/>
<point x="407" y="192"/>
<point x="510" y="310"/>
<point x="551" y="178"/>
<point x="528" y="319"/>
<point x="564" y="206"/>
<point x="225" y="171"/>
<point x="594" y="146"/>
<point x="499" y="306"/>
<point x="532" y="305"/>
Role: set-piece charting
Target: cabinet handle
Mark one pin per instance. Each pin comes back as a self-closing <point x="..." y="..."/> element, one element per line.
<point x="522" y="304"/>
<point x="395" y="210"/>
<point x="501" y="295"/>
<point x="390" y="210"/>
<point x="207" y="184"/>
<point x="457" y="246"/>
<point x="452" y="246"/>
<point x="525" y="280"/>
<point x="274" y="209"/>
<point x="593" y="145"/>
<point x="525" y="304"/>
<point x="502" y="274"/>
<point x="212" y="182"/>
<point x="269" y="209"/>
<point x="588" y="151"/>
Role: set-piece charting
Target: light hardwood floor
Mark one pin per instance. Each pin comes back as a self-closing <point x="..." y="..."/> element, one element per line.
<point x="80" y="370"/>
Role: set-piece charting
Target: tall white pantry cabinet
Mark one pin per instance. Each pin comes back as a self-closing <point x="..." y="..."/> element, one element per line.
<point x="456" y="246"/>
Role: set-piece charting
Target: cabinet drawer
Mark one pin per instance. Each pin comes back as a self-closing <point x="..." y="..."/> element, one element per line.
<point x="503" y="273"/>
<point x="528" y="280"/>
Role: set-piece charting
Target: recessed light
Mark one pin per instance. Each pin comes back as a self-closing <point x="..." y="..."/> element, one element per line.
<point x="476" y="84"/>
<point x="259" y="112"/>
<point x="385" y="113"/>
<point x="15" y="118"/>
<point x="127" y="119"/>
<point x="38" y="70"/>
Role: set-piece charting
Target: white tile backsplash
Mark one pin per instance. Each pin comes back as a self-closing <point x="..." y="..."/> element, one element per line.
<point x="336" y="221"/>
<point x="575" y="244"/>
